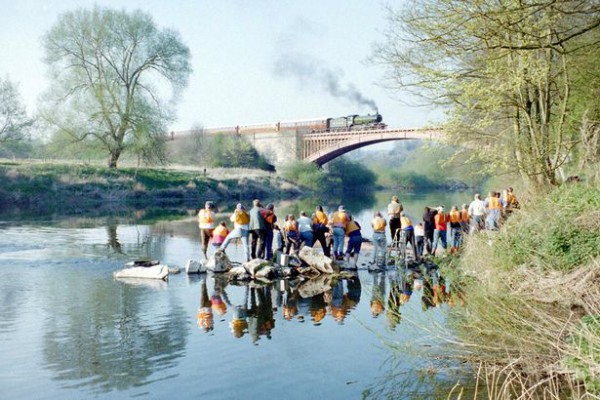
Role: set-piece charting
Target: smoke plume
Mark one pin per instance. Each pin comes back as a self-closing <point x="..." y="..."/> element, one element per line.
<point x="312" y="72"/>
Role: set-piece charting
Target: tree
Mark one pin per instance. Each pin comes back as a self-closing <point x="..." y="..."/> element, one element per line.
<point x="13" y="116"/>
<point x="114" y="79"/>
<point x="502" y="68"/>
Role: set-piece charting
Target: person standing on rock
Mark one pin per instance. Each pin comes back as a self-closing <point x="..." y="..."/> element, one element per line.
<point x="379" y="240"/>
<point x="292" y="236"/>
<point x="439" y="235"/>
<point x="258" y="231"/>
<point x="354" y="243"/>
<point x="206" y="223"/>
<point x="305" y="229"/>
<point x="270" y="218"/>
<point x="393" y="211"/>
<point x="240" y="219"/>
<point x="320" y="228"/>
<point x="429" y="227"/>
<point x="477" y="213"/>
<point x="339" y="220"/>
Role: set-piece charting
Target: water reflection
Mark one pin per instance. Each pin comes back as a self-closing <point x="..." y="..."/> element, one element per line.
<point x="289" y="299"/>
<point x="107" y="336"/>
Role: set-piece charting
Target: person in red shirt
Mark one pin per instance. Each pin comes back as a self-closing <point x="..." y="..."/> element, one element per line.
<point x="439" y="234"/>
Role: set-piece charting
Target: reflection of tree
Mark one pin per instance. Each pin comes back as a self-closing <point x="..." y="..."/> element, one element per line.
<point x="110" y="336"/>
<point x="12" y="297"/>
<point x="113" y="240"/>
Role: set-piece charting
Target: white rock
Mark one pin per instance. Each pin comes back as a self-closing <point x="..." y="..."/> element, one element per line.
<point x="218" y="262"/>
<point x="194" y="267"/>
<point x="316" y="260"/>
<point x="155" y="272"/>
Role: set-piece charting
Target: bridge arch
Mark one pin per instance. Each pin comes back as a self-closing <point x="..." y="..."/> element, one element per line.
<point x="321" y="148"/>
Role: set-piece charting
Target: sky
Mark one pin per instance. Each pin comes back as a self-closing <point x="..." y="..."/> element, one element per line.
<point x="253" y="61"/>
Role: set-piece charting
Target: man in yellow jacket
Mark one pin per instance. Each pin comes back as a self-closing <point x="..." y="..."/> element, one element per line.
<point x="206" y="223"/>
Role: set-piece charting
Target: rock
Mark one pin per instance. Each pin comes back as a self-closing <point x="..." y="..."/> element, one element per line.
<point x="219" y="262"/>
<point x="174" y="270"/>
<point x="194" y="267"/>
<point x="287" y="272"/>
<point x="267" y="272"/>
<point x="155" y="272"/>
<point x="239" y="274"/>
<point x="316" y="260"/>
<point x="253" y="266"/>
<point x="294" y="261"/>
<point x="309" y="272"/>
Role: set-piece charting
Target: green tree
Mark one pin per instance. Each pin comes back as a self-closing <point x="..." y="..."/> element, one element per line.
<point x="502" y="68"/>
<point x="14" y="121"/>
<point x="114" y="76"/>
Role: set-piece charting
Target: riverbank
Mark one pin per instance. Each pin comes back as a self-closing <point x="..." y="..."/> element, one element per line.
<point x="40" y="185"/>
<point x="531" y="326"/>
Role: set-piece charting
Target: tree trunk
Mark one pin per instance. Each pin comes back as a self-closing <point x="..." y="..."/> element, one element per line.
<point x="113" y="158"/>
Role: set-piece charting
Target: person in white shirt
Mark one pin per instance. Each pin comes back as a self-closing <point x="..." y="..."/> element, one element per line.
<point x="477" y="213"/>
<point x="305" y="229"/>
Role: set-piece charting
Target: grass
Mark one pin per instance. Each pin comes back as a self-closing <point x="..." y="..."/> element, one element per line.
<point x="76" y="185"/>
<point x="531" y="325"/>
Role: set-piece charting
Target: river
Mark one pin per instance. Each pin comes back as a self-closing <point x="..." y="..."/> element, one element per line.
<point x="68" y="329"/>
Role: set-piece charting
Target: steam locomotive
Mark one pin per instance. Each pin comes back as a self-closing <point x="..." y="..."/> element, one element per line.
<point x="355" y="122"/>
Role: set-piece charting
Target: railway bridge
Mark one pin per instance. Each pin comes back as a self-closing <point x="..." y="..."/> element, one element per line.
<point x="284" y="142"/>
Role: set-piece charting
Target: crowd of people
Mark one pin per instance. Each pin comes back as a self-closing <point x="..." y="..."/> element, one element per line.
<point x="340" y="235"/>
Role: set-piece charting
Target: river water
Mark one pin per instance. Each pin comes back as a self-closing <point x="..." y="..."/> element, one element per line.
<point x="68" y="329"/>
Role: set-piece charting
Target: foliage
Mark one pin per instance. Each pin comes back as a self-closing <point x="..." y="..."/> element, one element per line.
<point x="351" y="175"/>
<point x="305" y="174"/>
<point x="234" y="152"/>
<point x="503" y="70"/>
<point x="14" y="121"/>
<point x="114" y="78"/>
<point x="585" y="342"/>
<point x="561" y="231"/>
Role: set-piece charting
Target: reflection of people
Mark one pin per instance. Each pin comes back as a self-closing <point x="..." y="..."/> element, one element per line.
<point x="392" y="314"/>
<point x="239" y="323"/>
<point x="377" y="295"/>
<point x="206" y="223"/>
<point x="218" y="298"/>
<point x="205" y="314"/>
<point x="290" y="303"/>
<point x="318" y="308"/>
<point x="260" y="313"/>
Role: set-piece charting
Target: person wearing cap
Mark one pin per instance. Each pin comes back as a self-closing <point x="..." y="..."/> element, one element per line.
<point x="439" y="235"/>
<point x="339" y="220"/>
<point x="258" y="230"/>
<point x="393" y="211"/>
<point x="240" y="219"/>
<point x="379" y="241"/>
<point x="206" y="223"/>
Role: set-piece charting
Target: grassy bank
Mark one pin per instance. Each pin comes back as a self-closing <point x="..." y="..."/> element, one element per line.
<point x="532" y="323"/>
<point x="36" y="185"/>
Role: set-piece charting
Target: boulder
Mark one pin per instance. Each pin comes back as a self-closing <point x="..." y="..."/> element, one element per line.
<point x="154" y="272"/>
<point x="194" y="267"/>
<point x="253" y="266"/>
<point x="267" y="272"/>
<point x="239" y="274"/>
<point x="316" y="260"/>
<point x="219" y="262"/>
